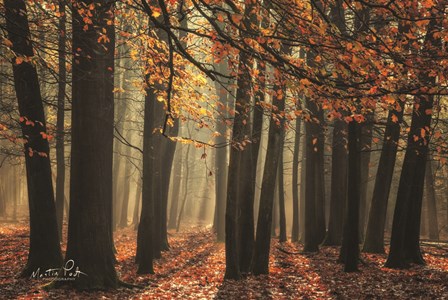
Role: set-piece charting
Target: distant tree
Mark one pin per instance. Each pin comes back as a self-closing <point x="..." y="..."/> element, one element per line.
<point x="281" y="195"/>
<point x="295" y="182"/>
<point x="431" y="202"/>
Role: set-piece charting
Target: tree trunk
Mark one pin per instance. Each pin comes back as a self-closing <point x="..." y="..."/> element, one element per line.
<point x="145" y="249"/>
<point x="185" y="194"/>
<point x="295" y="183"/>
<point x="350" y="240"/>
<point x="404" y="245"/>
<point x="44" y="251"/>
<point x="166" y="163"/>
<point x="366" y="147"/>
<point x="60" y="155"/>
<point x="260" y="262"/>
<point x="338" y="184"/>
<point x="123" y="222"/>
<point x="339" y="157"/>
<point x="433" y="223"/>
<point x="92" y="149"/>
<point x="281" y="197"/>
<point x="175" y="193"/>
<point x="312" y="177"/>
<point x="374" y="239"/>
<point x="138" y="196"/>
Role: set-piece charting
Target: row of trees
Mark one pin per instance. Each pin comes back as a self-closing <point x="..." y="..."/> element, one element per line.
<point x="326" y="73"/>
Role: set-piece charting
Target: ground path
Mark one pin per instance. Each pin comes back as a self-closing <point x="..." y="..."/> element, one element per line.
<point x="194" y="269"/>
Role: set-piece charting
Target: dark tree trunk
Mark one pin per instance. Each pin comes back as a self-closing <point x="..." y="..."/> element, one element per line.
<point x="166" y="163"/>
<point x="295" y="183"/>
<point x="350" y="240"/>
<point x="260" y="261"/>
<point x="339" y="158"/>
<point x="239" y="182"/>
<point x="125" y="201"/>
<point x="366" y="147"/>
<point x="221" y="183"/>
<point x="404" y="245"/>
<point x="138" y="196"/>
<point x="221" y="160"/>
<point x="281" y="197"/>
<point x="92" y="149"/>
<point x="275" y="212"/>
<point x="239" y="227"/>
<point x="185" y="193"/>
<point x="145" y="247"/>
<point x="433" y="223"/>
<point x="374" y="239"/>
<point x="60" y="153"/>
<point x="338" y="184"/>
<point x="313" y="180"/>
<point x="44" y="251"/>
<point x="320" y="183"/>
<point x="175" y="193"/>
<point x="117" y="192"/>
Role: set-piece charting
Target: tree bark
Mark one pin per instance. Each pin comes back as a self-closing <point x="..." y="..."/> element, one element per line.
<point x="60" y="148"/>
<point x="295" y="183"/>
<point x="405" y="246"/>
<point x="433" y="223"/>
<point x="281" y="197"/>
<point x="339" y="157"/>
<point x="312" y="180"/>
<point x="374" y="239"/>
<point x="90" y="226"/>
<point x="137" y="202"/>
<point x="145" y="248"/>
<point x="350" y="240"/>
<point x="339" y="186"/>
<point x="185" y="193"/>
<point x="44" y="250"/>
<point x="260" y="261"/>
<point x="175" y="193"/>
<point x="366" y="147"/>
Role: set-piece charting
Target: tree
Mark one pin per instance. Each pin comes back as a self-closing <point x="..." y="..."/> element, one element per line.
<point x="313" y="179"/>
<point x="60" y="147"/>
<point x="90" y="224"/>
<point x="44" y="252"/>
<point x="405" y="247"/>
<point x="338" y="194"/>
<point x="295" y="183"/>
<point x="239" y="205"/>
<point x="431" y="202"/>
<point x="260" y="262"/>
<point x="350" y="240"/>
<point x="144" y="256"/>
<point x="374" y="239"/>
<point x="175" y="192"/>
<point x="281" y="195"/>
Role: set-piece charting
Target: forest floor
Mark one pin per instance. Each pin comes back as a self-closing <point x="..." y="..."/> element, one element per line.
<point x="194" y="269"/>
